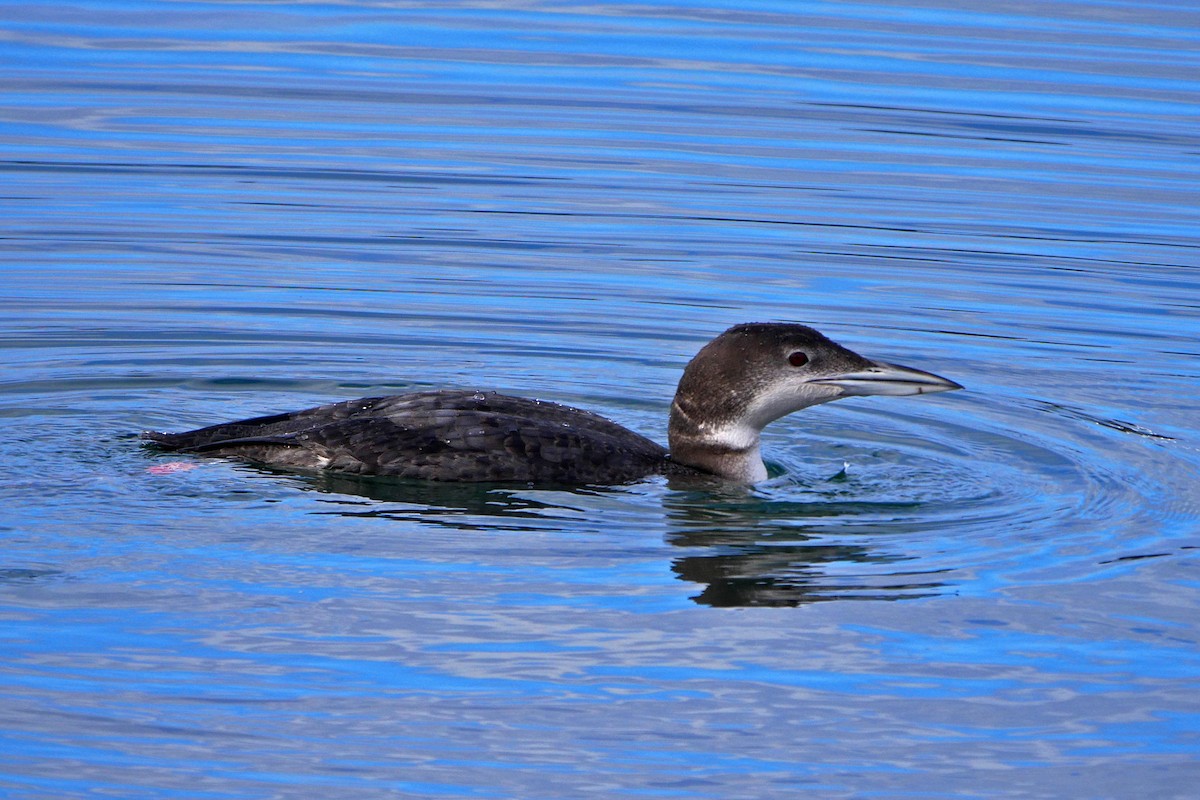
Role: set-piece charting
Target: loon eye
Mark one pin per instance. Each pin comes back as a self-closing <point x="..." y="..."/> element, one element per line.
<point x="798" y="358"/>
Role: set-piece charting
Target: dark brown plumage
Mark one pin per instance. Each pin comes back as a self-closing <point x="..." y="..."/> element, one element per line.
<point x="439" y="435"/>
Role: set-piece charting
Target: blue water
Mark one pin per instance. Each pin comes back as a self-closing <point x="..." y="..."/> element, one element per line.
<point x="216" y="210"/>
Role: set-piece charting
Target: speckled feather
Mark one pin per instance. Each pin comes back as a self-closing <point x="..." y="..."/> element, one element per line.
<point x="438" y="435"/>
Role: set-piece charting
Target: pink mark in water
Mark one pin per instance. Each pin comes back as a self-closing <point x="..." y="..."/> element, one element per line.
<point x="169" y="467"/>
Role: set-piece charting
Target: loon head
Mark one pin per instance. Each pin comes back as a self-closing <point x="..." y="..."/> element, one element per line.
<point x="755" y="373"/>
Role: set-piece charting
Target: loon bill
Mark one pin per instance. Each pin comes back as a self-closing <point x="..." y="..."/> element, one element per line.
<point x="747" y="377"/>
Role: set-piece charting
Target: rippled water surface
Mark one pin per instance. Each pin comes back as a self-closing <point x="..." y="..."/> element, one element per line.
<point x="219" y="209"/>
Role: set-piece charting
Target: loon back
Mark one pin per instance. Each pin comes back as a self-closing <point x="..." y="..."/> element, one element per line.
<point x="447" y="435"/>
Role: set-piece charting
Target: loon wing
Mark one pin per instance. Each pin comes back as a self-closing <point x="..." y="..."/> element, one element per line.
<point x="454" y="436"/>
<point x="266" y="427"/>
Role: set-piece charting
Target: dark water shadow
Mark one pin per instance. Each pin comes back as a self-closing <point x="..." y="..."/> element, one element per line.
<point x="446" y="505"/>
<point x="20" y="575"/>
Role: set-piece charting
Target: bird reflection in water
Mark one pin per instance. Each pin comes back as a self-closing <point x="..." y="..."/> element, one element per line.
<point x="743" y="550"/>
<point x="756" y="552"/>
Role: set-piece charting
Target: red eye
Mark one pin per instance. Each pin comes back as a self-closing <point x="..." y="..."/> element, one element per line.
<point x="798" y="359"/>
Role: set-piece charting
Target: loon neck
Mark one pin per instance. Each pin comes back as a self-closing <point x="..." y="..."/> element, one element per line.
<point x="728" y="448"/>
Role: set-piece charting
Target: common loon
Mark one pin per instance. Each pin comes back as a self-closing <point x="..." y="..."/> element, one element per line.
<point x="747" y="377"/>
